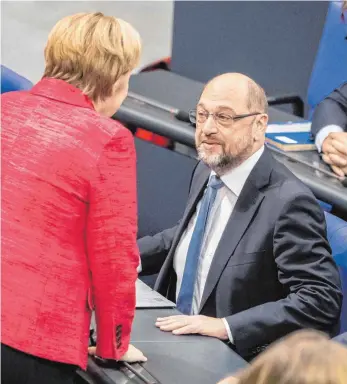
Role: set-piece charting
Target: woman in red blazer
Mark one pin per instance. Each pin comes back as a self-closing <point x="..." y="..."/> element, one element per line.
<point x="69" y="209"/>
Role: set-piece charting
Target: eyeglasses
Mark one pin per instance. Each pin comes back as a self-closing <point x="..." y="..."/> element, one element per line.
<point x="220" y="118"/>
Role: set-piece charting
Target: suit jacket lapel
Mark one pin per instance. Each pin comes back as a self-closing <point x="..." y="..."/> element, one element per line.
<point x="242" y="215"/>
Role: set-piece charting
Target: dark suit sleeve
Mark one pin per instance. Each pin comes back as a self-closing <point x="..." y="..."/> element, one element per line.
<point x="154" y="249"/>
<point x="307" y="273"/>
<point x="331" y="111"/>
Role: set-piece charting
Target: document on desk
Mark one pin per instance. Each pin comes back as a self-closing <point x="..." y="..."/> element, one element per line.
<point x="290" y="137"/>
<point x="302" y="126"/>
<point x="146" y="297"/>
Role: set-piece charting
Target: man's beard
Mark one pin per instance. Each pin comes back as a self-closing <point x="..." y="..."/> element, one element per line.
<point x="220" y="163"/>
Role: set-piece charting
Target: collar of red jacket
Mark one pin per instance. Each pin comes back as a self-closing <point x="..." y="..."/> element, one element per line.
<point x="61" y="91"/>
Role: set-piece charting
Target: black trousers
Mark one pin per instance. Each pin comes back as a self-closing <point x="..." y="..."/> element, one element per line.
<point x="20" y="368"/>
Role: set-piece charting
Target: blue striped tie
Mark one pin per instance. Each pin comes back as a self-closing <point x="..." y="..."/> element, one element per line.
<point x="185" y="297"/>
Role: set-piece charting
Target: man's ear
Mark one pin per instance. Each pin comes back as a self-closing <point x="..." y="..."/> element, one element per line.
<point x="260" y="128"/>
<point x="263" y="121"/>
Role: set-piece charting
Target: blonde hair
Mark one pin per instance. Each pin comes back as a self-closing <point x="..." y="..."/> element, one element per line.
<point x="92" y="51"/>
<point x="303" y="357"/>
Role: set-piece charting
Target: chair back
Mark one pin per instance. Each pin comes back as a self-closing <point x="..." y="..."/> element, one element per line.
<point x="337" y="237"/>
<point x="11" y="81"/>
<point x="163" y="179"/>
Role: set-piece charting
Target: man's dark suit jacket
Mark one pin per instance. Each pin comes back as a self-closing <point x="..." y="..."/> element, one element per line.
<point x="272" y="272"/>
<point x="331" y="111"/>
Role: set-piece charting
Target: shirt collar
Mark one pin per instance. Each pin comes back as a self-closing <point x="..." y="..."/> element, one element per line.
<point x="235" y="179"/>
<point x="61" y="91"/>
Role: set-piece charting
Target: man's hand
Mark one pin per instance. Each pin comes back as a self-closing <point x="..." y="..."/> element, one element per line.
<point x="334" y="150"/>
<point x="133" y="355"/>
<point x="185" y="325"/>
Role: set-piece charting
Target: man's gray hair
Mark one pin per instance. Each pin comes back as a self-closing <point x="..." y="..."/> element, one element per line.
<point x="257" y="101"/>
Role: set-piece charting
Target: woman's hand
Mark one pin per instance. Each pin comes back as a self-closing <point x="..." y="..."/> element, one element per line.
<point x="133" y="355"/>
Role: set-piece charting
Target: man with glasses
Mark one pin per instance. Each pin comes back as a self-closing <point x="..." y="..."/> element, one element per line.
<point x="249" y="261"/>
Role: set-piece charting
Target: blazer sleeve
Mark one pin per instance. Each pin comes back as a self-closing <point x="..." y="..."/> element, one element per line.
<point x="306" y="271"/>
<point x="331" y="111"/>
<point x="111" y="244"/>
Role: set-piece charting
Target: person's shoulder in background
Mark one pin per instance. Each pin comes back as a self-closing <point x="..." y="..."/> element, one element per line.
<point x="330" y="115"/>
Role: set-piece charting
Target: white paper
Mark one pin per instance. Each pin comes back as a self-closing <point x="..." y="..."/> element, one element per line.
<point x="286" y="140"/>
<point x="146" y="297"/>
<point x="304" y="126"/>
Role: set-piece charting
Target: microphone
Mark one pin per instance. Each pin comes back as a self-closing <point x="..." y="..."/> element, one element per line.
<point x="182" y="116"/>
<point x="179" y="114"/>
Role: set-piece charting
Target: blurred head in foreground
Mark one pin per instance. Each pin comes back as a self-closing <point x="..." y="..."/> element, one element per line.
<point x="303" y="357"/>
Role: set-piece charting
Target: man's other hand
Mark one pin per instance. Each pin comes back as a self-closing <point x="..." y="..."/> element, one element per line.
<point x="334" y="150"/>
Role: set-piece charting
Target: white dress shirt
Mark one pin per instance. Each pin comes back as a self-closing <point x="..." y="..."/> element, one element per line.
<point x="221" y="211"/>
<point x="324" y="133"/>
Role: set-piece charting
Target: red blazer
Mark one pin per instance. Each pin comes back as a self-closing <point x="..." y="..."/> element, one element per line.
<point x="69" y="225"/>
